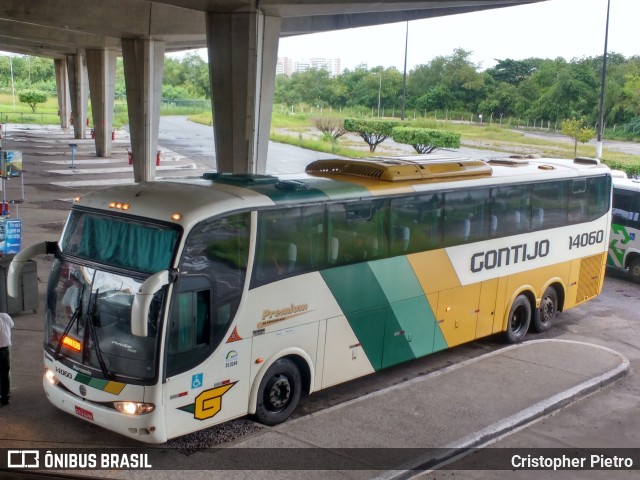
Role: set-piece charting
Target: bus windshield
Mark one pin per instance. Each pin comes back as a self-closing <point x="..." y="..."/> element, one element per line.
<point x="88" y="323"/>
<point x="119" y="242"/>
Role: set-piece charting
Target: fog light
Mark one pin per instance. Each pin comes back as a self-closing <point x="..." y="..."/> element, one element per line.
<point x="134" y="408"/>
<point x="51" y="377"/>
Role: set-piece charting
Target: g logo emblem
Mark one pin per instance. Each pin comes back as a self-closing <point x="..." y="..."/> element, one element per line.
<point x="209" y="402"/>
<point x="83" y="390"/>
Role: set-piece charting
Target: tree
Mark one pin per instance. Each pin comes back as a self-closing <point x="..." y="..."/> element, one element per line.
<point x="425" y="140"/>
<point x="331" y="128"/>
<point x="32" y="98"/>
<point x="513" y="71"/>
<point x="578" y="131"/>
<point x="374" y="132"/>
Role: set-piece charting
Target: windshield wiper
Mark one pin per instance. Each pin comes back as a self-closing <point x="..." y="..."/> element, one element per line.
<point x="94" y="334"/>
<point x="77" y="313"/>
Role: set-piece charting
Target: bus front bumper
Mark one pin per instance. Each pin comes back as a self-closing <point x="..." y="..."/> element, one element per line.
<point x="148" y="428"/>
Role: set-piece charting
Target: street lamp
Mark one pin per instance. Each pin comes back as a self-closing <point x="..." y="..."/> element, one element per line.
<point x="404" y="75"/>
<point x="602" y="85"/>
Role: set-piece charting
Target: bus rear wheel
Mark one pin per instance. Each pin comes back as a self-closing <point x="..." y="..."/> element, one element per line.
<point x="546" y="314"/>
<point x="634" y="270"/>
<point x="519" y="319"/>
<point x="279" y="392"/>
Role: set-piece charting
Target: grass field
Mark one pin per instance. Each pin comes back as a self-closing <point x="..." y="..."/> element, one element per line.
<point x="298" y="129"/>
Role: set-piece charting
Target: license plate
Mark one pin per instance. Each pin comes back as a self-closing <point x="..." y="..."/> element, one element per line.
<point x="84" y="413"/>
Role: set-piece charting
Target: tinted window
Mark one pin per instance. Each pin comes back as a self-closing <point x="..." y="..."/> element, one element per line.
<point x="218" y="248"/>
<point x="290" y="241"/>
<point x="466" y="216"/>
<point x="416" y="223"/>
<point x="206" y="296"/>
<point x="549" y="205"/>
<point x="626" y="207"/>
<point x="357" y="232"/>
<point x="511" y="211"/>
<point x="588" y="199"/>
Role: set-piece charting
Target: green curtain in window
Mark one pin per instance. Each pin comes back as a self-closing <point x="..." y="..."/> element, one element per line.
<point x="128" y="245"/>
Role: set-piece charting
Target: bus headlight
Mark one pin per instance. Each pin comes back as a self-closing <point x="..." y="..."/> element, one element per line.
<point x="51" y="377"/>
<point x="134" y="408"/>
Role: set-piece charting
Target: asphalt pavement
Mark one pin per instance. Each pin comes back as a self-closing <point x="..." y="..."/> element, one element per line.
<point x="395" y="432"/>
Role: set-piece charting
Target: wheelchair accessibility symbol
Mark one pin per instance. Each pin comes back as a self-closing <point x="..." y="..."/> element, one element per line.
<point x="196" y="380"/>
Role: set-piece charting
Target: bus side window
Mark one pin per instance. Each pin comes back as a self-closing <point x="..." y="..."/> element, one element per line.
<point x="190" y="326"/>
<point x="599" y="193"/>
<point x="467" y="216"/>
<point x="548" y="204"/>
<point x="357" y="231"/>
<point x="511" y="210"/>
<point x="625" y="210"/>
<point x="416" y="223"/>
<point x="578" y="200"/>
<point x="189" y="337"/>
<point x="291" y="241"/>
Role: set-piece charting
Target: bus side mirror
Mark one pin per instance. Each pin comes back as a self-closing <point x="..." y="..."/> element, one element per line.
<point x="142" y="301"/>
<point x="22" y="257"/>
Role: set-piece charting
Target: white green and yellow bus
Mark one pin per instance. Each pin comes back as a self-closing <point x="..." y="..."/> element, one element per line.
<point x="172" y="307"/>
<point x="624" y="245"/>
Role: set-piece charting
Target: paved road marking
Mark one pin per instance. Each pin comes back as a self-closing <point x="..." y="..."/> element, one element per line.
<point x="89" y="171"/>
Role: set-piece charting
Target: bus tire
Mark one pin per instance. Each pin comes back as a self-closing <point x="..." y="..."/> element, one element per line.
<point x="634" y="270"/>
<point x="519" y="319"/>
<point x="278" y="393"/>
<point x="546" y="314"/>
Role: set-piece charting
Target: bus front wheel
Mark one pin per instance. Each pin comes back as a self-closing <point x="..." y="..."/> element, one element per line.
<point x="278" y="393"/>
<point x="546" y="314"/>
<point x="634" y="270"/>
<point x="519" y="319"/>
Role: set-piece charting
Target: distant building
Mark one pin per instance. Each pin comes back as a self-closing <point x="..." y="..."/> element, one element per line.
<point x="288" y="66"/>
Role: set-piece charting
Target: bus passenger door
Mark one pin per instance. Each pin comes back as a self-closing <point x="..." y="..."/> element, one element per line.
<point x="458" y="313"/>
<point x="206" y="364"/>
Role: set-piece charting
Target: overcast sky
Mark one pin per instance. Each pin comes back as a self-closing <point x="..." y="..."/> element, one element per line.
<point x="550" y="29"/>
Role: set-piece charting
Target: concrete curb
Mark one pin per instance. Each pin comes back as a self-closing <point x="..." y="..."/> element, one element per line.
<point x="512" y="423"/>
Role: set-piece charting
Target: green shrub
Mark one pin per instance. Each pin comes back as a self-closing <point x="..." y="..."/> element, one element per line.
<point x="425" y="140"/>
<point x="632" y="169"/>
<point x="32" y="98"/>
<point x="374" y="132"/>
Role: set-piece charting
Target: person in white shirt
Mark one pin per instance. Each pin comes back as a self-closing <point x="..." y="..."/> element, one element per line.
<point x="72" y="296"/>
<point x="6" y="324"/>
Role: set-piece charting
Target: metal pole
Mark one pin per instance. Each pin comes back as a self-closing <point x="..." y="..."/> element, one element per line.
<point x="73" y="155"/>
<point x="379" y="91"/>
<point x="602" y="87"/>
<point x="13" y="90"/>
<point x="404" y="76"/>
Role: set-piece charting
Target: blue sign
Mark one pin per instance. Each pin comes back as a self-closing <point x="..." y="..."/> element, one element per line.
<point x="10" y="163"/>
<point x="196" y="380"/>
<point x="10" y="235"/>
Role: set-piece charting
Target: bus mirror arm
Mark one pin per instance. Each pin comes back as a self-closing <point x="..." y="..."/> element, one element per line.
<point x="144" y="296"/>
<point x="22" y="257"/>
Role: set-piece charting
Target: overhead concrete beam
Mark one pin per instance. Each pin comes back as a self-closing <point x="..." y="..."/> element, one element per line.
<point x="302" y="25"/>
<point x="143" y="63"/>
<point x="126" y="18"/>
<point x="101" y="66"/>
<point x="62" y="88"/>
<point x="79" y="90"/>
<point x="243" y="49"/>
<point x="55" y="35"/>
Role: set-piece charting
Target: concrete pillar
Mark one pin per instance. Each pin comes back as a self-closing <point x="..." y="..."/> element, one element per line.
<point x="79" y="90"/>
<point x="101" y="65"/>
<point x="143" y="64"/>
<point x="62" y="88"/>
<point x="243" y="51"/>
